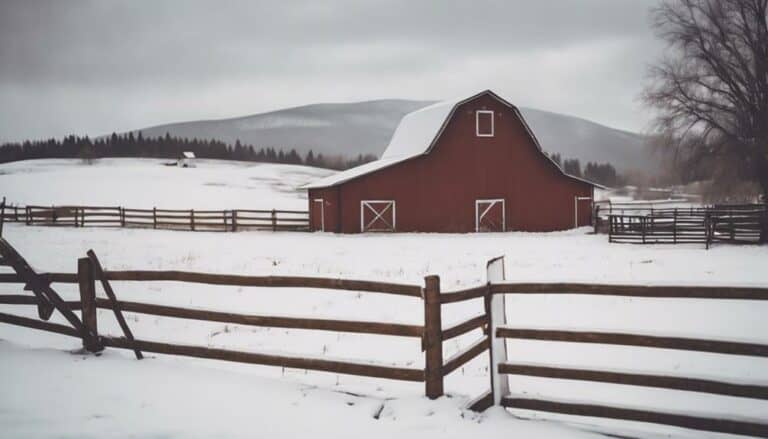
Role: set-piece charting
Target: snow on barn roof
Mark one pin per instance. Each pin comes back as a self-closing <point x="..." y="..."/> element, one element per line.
<point x="188" y="154"/>
<point x="415" y="136"/>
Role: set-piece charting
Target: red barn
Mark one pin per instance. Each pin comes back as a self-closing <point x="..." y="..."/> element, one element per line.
<point x="464" y="165"/>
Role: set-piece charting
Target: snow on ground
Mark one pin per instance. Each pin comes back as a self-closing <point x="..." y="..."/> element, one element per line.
<point x="169" y="398"/>
<point x="162" y="397"/>
<point x="146" y="183"/>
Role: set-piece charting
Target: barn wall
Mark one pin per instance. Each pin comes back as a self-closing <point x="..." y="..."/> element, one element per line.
<point x="331" y="209"/>
<point x="437" y="192"/>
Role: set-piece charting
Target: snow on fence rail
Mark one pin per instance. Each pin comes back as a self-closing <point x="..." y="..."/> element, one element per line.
<point x="176" y="219"/>
<point x="492" y="322"/>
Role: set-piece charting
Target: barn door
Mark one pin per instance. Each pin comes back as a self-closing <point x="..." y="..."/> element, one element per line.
<point x="377" y="216"/>
<point x="490" y="216"/>
<point x="317" y="215"/>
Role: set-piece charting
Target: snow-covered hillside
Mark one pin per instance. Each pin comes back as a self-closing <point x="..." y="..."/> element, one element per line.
<point x="366" y="127"/>
<point x="181" y="397"/>
<point x="146" y="183"/>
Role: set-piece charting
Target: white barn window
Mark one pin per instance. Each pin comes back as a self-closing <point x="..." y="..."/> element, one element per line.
<point x="484" y="123"/>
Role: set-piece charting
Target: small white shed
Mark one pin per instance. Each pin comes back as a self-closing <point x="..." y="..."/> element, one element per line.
<point x="187" y="160"/>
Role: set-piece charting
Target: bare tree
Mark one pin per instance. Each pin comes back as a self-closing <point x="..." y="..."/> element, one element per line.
<point x="711" y="88"/>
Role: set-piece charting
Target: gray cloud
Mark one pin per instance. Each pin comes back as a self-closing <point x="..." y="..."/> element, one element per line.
<point x="98" y="66"/>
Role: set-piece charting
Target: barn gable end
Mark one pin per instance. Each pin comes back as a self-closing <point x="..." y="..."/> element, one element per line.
<point x="456" y="166"/>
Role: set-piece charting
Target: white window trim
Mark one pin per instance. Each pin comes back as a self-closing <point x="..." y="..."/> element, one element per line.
<point x="322" y="213"/>
<point x="493" y="201"/>
<point x="378" y="214"/>
<point x="477" y="123"/>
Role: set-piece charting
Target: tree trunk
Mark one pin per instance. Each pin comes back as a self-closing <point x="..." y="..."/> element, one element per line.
<point x="762" y="176"/>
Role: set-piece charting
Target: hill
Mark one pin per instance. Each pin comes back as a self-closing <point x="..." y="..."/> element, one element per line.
<point x="350" y="129"/>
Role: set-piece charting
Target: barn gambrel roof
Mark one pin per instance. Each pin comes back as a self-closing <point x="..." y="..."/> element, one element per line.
<point x="417" y="134"/>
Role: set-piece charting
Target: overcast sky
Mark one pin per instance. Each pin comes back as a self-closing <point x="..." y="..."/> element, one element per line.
<point x="95" y="67"/>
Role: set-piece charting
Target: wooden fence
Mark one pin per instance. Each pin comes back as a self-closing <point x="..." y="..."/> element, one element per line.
<point x="501" y="367"/>
<point x="492" y="321"/>
<point x="173" y="219"/>
<point x="719" y="224"/>
<point x="85" y="327"/>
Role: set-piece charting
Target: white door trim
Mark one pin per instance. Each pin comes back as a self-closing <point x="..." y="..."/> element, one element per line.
<point x="491" y="202"/>
<point x="576" y="200"/>
<point x="378" y="215"/>
<point x="322" y="212"/>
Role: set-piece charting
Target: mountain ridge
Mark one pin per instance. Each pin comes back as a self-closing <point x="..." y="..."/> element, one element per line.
<point x="365" y="127"/>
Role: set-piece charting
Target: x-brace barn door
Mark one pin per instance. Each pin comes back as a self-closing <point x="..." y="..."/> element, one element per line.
<point x="377" y="216"/>
<point x="490" y="216"/>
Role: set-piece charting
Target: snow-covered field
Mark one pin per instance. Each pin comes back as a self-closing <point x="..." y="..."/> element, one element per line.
<point x="174" y="396"/>
<point x="146" y="183"/>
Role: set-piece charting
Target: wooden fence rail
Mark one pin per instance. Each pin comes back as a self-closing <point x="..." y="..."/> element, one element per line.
<point x="234" y="280"/>
<point x="230" y="220"/>
<point x="601" y="411"/>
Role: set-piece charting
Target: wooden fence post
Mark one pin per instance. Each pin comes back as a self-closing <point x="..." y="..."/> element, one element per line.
<point x="274" y="220"/>
<point x="433" y="338"/>
<point x="674" y="227"/>
<point x="98" y="271"/>
<point x="234" y="220"/>
<point x="87" y="283"/>
<point x="154" y="217"/>
<point x="731" y="225"/>
<point x="122" y="216"/>
<point x="597" y="219"/>
<point x="26" y="211"/>
<point x="2" y="217"/>
<point x="192" y="219"/>
<point x="611" y="227"/>
<point x="495" y="309"/>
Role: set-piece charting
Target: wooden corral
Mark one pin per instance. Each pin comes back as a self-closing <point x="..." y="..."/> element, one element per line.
<point x="743" y="224"/>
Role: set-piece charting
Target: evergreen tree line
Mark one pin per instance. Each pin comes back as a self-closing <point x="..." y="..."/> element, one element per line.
<point x="130" y="145"/>
<point x="602" y="173"/>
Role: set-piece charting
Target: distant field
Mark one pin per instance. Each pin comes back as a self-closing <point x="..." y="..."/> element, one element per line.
<point x="146" y="183"/>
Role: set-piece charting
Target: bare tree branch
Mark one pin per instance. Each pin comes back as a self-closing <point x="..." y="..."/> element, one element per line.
<point x="711" y="91"/>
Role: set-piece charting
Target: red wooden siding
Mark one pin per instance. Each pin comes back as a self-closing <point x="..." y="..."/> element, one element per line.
<point x="437" y="192"/>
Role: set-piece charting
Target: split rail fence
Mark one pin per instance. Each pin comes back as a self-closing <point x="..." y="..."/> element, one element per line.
<point x="492" y="321"/>
<point x="729" y="224"/>
<point x="501" y="367"/>
<point x="174" y="219"/>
